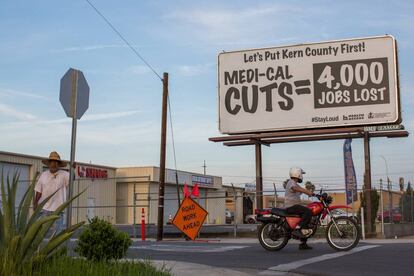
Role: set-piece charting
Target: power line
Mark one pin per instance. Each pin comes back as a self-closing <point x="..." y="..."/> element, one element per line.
<point x="172" y="134"/>
<point x="124" y="39"/>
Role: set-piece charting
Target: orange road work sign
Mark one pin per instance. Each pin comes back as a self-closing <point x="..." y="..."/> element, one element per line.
<point x="189" y="218"/>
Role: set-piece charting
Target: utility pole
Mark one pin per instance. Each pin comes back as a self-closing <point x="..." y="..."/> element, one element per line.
<point x="205" y="167"/>
<point x="259" y="176"/>
<point x="160" y="224"/>
<point x="368" y="188"/>
<point x="391" y="205"/>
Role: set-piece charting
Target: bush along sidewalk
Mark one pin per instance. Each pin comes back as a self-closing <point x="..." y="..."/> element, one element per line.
<point x="100" y="241"/>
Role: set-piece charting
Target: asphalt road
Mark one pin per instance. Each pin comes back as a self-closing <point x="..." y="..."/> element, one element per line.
<point x="251" y="259"/>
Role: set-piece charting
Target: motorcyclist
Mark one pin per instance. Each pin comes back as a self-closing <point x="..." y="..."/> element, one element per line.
<point x="293" y="206"/>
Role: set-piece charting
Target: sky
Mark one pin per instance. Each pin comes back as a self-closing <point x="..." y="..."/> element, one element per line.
<point x="41" y="40"/>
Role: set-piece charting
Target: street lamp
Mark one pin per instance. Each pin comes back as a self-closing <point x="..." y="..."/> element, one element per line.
<point x="386" y="168"/>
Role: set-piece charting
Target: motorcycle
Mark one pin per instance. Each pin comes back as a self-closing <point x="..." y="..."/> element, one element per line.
<point x="277" y="227"/>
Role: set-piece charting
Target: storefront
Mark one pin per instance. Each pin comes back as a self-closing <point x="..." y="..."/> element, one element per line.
<point x="118" y="195"/>
<point x="137" y="189"/>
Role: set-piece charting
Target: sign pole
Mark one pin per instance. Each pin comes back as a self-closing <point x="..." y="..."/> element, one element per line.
<point x="160" y="224"/>
<point x="73" y="143"/>
<point x="74" y="97"/>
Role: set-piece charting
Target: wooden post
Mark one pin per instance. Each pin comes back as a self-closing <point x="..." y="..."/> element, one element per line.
<point x="368" y="188"/>
<point x="160" y="224"/>
<point x="259" y="177"/>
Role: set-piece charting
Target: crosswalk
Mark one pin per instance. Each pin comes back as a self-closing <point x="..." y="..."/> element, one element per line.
<point x="187" y="248"/>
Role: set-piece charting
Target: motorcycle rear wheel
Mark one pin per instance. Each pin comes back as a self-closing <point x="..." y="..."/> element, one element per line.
<point x="348" y="237"/>
<point x="273" y="237"/>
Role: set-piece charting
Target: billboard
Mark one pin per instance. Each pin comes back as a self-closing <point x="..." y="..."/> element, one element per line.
<point x="327" y="84"/>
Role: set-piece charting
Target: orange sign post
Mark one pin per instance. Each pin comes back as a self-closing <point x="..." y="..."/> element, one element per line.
<point x="189" y="218"/>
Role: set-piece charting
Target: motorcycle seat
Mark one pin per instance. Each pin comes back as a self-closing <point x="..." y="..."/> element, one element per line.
<point x="281" y="212"/>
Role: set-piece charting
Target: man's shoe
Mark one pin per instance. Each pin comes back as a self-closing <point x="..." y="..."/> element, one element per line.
<point x="306" y="232"/>
<point x="304" y="246"/>
<point x="302" y="233"/>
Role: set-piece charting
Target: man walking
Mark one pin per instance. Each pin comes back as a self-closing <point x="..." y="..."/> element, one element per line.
<point x="51" y="181"/>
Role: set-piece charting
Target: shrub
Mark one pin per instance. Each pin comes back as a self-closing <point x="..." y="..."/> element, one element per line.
<point x="100" y="241"/>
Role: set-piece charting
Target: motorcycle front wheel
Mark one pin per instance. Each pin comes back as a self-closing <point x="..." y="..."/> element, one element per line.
<point x="273" y="237"/>
<point x="342" y="233"/>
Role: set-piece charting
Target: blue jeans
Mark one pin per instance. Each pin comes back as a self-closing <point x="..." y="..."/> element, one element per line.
<point x="58" y="225"/>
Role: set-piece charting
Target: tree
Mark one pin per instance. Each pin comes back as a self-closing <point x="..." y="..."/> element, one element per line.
<point x="374" y="207"/>
<point x="285" y="183"/>
<point x="401" y="183"/>
<point x="407" y="204"/>
<point x="309" y="186"/>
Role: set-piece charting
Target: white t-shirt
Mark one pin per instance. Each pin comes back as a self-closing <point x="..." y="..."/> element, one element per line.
<point x="48" y="183"/>
<point x="291" y="197"/>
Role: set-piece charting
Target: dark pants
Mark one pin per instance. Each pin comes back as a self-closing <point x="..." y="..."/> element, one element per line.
<point x="303" y="212"/>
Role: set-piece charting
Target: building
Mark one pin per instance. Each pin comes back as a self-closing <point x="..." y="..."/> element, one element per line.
<point x="99" y="182"/>
<point x="137" y="189"/>
<point x="118" y="195"/>
<point x="240" y="202"/>
<point x="339" y="198"/>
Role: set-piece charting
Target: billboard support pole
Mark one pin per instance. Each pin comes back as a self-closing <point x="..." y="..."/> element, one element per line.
<point x="160" y="222"/>
<point x="259" y="177"/>
<point x="368" y="188"/>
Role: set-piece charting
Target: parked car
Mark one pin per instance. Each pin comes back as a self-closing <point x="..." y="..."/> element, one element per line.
<point x="396" y="216"/>
<point x="250" y="219"/>
<point x="339" y="213"/>
<point x="229" y="217"/>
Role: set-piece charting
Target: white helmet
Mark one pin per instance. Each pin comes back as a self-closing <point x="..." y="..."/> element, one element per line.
<point x="297" y="173"/>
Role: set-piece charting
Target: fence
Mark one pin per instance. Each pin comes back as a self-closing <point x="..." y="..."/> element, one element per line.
<point x="119" y="200"/>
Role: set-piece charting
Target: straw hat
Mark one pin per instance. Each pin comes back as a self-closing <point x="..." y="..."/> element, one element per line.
<point x="54" y="156"/>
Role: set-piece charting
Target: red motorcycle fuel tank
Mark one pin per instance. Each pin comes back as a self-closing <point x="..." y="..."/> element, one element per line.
<point x="315" y="207"/>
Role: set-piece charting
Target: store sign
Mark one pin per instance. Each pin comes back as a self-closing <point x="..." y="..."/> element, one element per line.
<point x="202" y="180"/>
<point x="189" y="218"/>
<point x="250" y="187"/>
<point x="90" y="172"/>
<point x="327" y="84"/>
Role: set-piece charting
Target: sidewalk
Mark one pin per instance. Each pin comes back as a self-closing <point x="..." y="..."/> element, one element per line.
<point x="191" y="269"/>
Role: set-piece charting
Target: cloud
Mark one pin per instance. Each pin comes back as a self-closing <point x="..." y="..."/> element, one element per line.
<point x="193" y="70"/>
<point x="253" y="25"/>
<point x="139" y="69"/>
<point x="12" y="92"/>
<point x="11" y="112"/>
<point x="87" y="118"/>
<point x="94" y="48"/>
